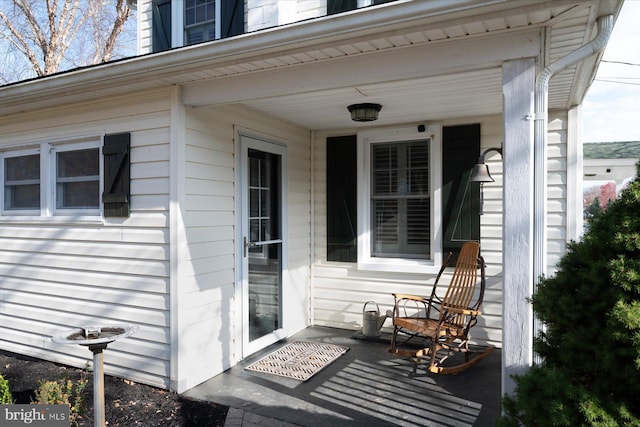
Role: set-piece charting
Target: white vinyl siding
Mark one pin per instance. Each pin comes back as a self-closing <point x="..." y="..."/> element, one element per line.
<point x="557" y="193"/>
<point x="207" y="281"/>
<point x="206" y="257"/>
<point x="145" y="27"/>
<point x="56" y="276"/>
<point x="263" y="14"/>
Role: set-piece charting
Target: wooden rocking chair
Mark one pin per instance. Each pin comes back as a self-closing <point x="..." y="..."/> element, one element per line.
<point x="443" y="324"/>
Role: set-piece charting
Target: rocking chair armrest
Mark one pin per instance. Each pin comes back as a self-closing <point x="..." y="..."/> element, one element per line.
<point x="410" y="297"/>
<point x="465" y="311"/>
<point x="402" y="302"/>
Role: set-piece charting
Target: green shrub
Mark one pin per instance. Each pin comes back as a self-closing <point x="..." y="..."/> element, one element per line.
<point x="64" y="391"/>
<point x="5" y="392"/>
<point x="591" y="347"/>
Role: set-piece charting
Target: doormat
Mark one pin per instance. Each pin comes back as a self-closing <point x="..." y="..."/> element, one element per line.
<point x="298" y="360"/>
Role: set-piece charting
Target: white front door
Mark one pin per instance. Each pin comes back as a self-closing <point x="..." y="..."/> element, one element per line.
<point x="262" y="202"/>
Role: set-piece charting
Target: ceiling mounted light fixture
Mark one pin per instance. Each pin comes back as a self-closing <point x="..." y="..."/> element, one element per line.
<point x="364" y="112"/>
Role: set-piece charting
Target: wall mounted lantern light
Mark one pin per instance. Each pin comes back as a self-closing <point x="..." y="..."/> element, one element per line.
<point x="364" y="112"/>
<point x="481" y="173"/>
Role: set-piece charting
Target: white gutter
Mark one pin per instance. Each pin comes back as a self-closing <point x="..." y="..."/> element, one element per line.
<point x="605" y="26"/>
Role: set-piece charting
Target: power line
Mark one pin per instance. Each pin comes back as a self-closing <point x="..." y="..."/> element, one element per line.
<point x="621" y="62"/>
<point x="618" y="82"/>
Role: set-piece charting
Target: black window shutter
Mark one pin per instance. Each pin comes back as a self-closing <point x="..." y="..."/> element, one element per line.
<point x="161" y="23"/>
<point x="337" y="6"/>
<point x="342" y="189"/>
<point x="116" y="195"/>
<point x="232" y="18"/>
<point x="460" y="199"/>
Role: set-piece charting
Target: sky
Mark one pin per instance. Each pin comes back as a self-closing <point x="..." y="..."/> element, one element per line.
<point x="611" y="109"/>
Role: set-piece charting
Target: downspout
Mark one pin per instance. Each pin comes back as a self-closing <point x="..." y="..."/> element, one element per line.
<point x="605" y="26"/>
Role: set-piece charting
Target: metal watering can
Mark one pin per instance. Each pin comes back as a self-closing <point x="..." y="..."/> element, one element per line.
<point x="372" y="321"/>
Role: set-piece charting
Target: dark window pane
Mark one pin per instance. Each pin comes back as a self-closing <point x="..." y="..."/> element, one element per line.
<point x="264" y="206"/>
<point x="190" y="17"/>
<point x="386" y="233"/>
<point x="78" y="195"/>
<point x="199" y="11"/>
<point x="22" y="182"/>
<point x="22" y="197"/>
<point x="78" y="163"/>
<point x="22" y="167"/>
<point x="78" y="179"/>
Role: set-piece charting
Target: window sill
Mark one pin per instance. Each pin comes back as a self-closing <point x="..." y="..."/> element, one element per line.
<point x="61" y="220"/>
<point x="396" y="265"/>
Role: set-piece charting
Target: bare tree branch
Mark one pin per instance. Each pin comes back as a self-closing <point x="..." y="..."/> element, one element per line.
<point x="27" y="10"/>
<point x="20" y="43"/>
<point x="50" y="33"/>
<point x="122" y="14"/>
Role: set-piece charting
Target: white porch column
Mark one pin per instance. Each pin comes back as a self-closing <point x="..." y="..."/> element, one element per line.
<point x="518" y="89"/>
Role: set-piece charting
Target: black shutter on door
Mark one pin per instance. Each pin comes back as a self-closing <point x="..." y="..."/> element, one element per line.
<point x="342" y="187"/>
<point x="460" y="199"/>
<point x="232" y="18"/>
<point x="161" y="25"/>
<point x="116" y="195"/>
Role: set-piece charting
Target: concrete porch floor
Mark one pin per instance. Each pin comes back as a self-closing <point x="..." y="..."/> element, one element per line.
<point x="364" y="387"/>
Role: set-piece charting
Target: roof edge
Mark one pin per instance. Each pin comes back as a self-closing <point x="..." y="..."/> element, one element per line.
<point x="257" y="44"/>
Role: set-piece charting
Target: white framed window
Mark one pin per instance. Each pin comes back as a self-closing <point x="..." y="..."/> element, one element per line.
<point x="400" y="176"/>
<point x="76" y="171"/>
<point x="21" y="179"/>
<point x="200" y="20"/>
<point x="55" y="179"/>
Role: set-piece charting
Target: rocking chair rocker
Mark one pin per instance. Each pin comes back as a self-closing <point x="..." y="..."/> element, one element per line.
<point x="443" y="324"/>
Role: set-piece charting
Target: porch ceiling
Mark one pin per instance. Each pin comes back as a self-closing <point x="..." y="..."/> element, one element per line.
<point x="464" y="94"/>
<point x="397" y="28"/>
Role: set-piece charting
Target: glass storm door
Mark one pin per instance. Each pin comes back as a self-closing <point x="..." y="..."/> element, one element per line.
<point x="262" y="244"/>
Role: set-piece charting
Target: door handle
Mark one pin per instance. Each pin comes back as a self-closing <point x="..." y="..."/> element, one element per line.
<point x="247" y="245"/>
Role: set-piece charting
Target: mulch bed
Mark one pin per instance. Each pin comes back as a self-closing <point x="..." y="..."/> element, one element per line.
<point x="126" y="403"/>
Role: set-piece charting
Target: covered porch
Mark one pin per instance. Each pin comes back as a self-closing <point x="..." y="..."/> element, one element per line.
<point x="364" y="387"/>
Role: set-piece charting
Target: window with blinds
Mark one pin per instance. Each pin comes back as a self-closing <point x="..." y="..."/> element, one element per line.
<point x="400" y="199"/>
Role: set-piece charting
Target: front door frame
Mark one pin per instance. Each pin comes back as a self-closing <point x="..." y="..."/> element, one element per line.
<point x="246" y="139"/>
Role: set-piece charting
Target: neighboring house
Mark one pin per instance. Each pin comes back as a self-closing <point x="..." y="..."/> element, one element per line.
<point x="608" y="167"/>
<point x="219" y="196"/>
<point x="610" y="162"/>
